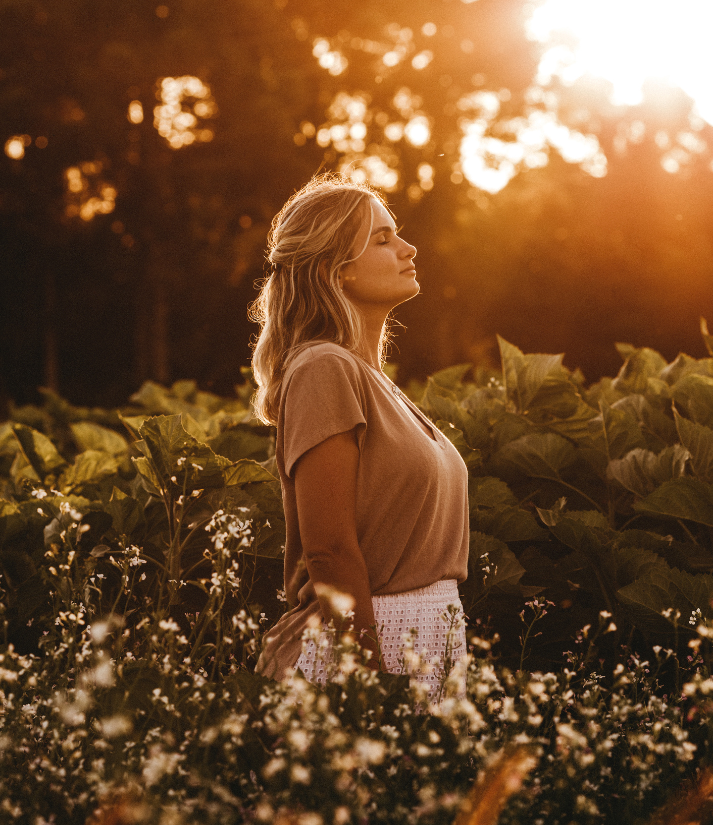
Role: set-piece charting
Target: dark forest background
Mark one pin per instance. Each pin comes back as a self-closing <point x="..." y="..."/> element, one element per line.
<point x="152" y="278"/>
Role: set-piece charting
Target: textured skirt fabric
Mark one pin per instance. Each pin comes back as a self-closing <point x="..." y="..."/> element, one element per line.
<point x="418" y="635"/>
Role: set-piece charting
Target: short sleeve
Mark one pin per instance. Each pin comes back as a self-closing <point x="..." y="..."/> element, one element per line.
<point x="321" y="397"/>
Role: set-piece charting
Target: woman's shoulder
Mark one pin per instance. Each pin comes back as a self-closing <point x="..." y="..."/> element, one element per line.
<point x="324" y="351"/>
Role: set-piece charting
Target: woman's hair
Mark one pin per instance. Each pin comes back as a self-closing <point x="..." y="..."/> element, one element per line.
<point x="300" y="302"/>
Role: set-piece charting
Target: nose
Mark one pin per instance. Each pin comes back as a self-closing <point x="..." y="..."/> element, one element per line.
<point x="409" y="251"/>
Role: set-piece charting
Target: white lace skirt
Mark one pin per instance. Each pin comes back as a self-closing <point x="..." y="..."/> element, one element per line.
<point x="421" y="632"/>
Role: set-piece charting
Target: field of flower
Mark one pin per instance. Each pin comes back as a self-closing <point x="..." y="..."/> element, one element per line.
<point x="140" y="563"/>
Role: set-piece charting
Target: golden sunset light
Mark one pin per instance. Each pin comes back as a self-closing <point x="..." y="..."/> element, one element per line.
<point x="628" y="43"/>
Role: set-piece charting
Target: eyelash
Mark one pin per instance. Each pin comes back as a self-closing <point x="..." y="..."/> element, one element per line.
<point x="385" y="241"/>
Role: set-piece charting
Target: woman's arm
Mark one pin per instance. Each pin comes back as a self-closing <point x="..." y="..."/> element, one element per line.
<point x="325" y="487"/>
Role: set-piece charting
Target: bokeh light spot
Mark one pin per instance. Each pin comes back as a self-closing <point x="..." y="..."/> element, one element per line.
<point x="15" y="147"/>
<point x="136" y="112"/>
<point x="418" y="131"/>
<point x="184" y="102"/>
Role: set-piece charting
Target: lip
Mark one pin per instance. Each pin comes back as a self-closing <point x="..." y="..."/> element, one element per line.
<point x="409" y="269"/>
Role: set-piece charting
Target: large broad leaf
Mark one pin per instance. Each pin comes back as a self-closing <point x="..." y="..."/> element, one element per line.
<point x="247" y="471"/>
<point x="442" y="407"/>
<point x="539" y="455"/>
<point x="149" y="478"/>
<point x="90" y="436"/>
<point x="631" y="563"/>
<point x="508" y="524"/>
<point x="451" y="378"/>
<point x="640" y="365"/>
<point x="242" y="442"/>
<point x="179" y="458"/>
<point x="470" y="456"/>
<point x="686" y="498"/>
<point x="586" y="536"/>
<point x="661" y="588"/>
<point x="11" y="520"/>
<point x="8" y="442"/>
<point x="694" y="394"/>
<point x="526" y="376"/>
<point x="685" y="365"/>
<point x="125" y="511"/>
<point x="622" y="432"/>
<point x="492" y="565"/>
<point x="642" y="471"/>
<point x="576" y="423"/>
<point x="698" y="440"/>
<point x="39" y="450"/>
<point x="90" y="467"/>
<point x="508" y="426"/>
<point x="158" y="399"/>
<point x="486" y="491"/>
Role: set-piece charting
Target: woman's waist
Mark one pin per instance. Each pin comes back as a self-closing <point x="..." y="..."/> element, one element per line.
<point x="436" y="591"/>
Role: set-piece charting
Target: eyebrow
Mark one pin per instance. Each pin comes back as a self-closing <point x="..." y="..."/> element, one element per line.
<point x="383" y="229"/>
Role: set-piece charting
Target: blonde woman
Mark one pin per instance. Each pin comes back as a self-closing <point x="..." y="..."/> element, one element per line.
<point x="375" y="497"/>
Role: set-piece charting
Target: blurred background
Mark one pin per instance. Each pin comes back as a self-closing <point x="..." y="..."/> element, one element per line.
<point x="551" y="160"/>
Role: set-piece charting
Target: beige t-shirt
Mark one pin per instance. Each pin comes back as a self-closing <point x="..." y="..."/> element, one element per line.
<point x="412" y="486"/>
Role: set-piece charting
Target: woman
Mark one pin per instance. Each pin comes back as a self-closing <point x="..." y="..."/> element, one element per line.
<point x="375" y="497"/>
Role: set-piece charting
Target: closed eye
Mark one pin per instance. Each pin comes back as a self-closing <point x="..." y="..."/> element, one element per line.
<point x="388" y="234"/>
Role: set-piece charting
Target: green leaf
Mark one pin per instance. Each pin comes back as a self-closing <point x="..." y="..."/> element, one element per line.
<point x="179" y="458"/>
<point x="694" y="393"/>
<point x="11" y="520"/>
<point x="38" y="450"/>
<point x="470" y="456"/>
<point x="698" y="440"/>
<point x="508" y="524"/>
<point x="90" y="436"/>
<point x="505" y="570"/>
<point x="444" y="407"/>
<point x="685" y="365"/>
<point x="247" y="471"/>
<point x="661" y="588"/>
<point x="150" y="480"/>
<point x="686" y="498"/>
<point x="242" y="441"/>
<point x="133" y="424"/>
<point x="539" y="455"/>
<point x="640" y="365"/>
<point x="642" y="471"/>
<point x="126" y="513"/>
<point x="451" y="378"/>
<point x="622" y="432"/>
<point x="486" y="491"/>
<point x="526" y="376"/>
<point x="90" y="467"/>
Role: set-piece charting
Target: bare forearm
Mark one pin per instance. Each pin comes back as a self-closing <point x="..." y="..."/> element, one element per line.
<point x="342" y="570"/>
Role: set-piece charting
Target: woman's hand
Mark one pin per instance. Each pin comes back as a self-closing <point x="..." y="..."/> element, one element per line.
<point x="325" y="488"/>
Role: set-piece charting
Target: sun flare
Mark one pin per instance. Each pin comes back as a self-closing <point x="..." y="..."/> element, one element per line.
<point x="628" y="42"/>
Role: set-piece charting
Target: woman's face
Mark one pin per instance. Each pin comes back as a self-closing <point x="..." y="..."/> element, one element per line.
<point x="384" y="275"/>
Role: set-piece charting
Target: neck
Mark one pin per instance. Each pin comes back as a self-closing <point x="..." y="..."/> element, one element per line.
<point x="373" y="324"/>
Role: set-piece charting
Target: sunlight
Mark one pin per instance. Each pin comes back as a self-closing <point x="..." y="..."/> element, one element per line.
<point x="490" y="161"/>
<point x="136" y="112"/>
<point x="418" y="131"/>
<point x="15" y="147"/>
<point x="628" y="42"/>
<point x="185" y="101"/>
<point x="86" y="194"/>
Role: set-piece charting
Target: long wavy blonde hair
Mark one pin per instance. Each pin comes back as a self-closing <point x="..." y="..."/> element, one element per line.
<point x="312" y="238"/>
